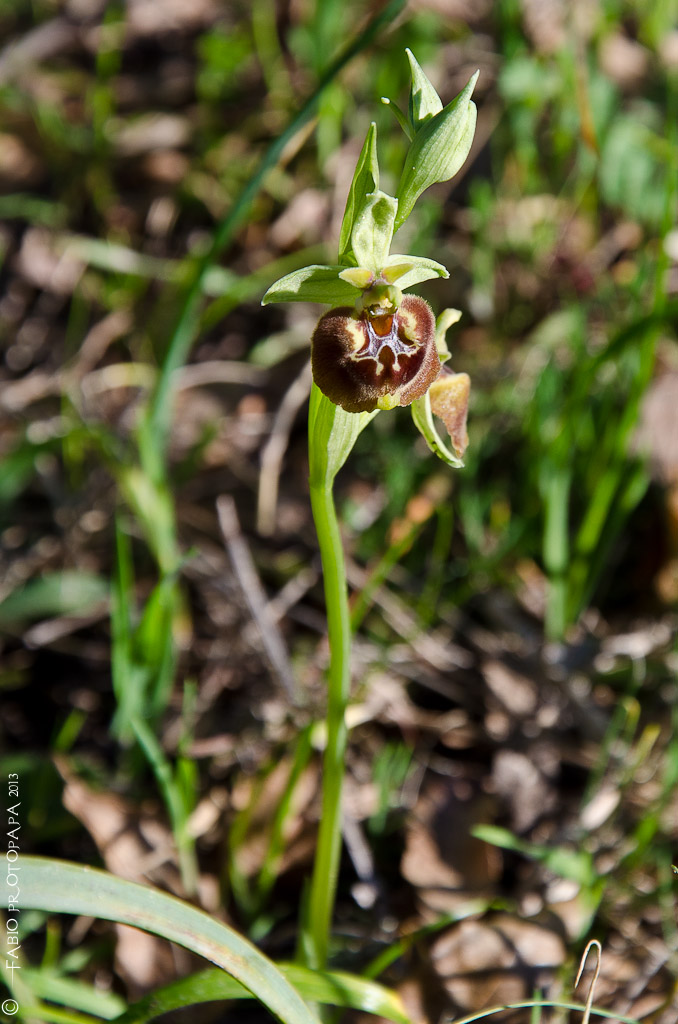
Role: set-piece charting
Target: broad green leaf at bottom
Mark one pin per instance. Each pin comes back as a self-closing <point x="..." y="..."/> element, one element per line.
<point x="64" y="888"/>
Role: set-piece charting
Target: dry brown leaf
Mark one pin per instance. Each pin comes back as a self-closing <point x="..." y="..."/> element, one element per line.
<point x="482" y="962"/>
<point x="517" y="692"/>
<point x="446" y="864"/>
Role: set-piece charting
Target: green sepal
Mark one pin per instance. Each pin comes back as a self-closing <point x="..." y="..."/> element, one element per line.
<point x="373" y="231"/>
<point x="316" y="283"/>
<point x="365" y="181"/>
<point x="332" y="432"/>
<point x="444" y="321"/>
<point x="411" y="270"/>
<point x="425" y="102"/>
<point x="422" y="415"/>
<point x="438" y="150"/>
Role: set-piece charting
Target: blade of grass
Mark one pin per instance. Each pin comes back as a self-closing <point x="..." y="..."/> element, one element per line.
<point x="556" y="547"/>
<point x="332" y="987"/>
<point x="64" y="888"/>
<point x="269" y="869"/>
<point x="172" y="795"/>
<point x="68" y="992"/>
<point x="554" y="1004"/>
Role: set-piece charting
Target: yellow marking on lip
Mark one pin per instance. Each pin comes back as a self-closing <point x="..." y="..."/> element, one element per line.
<point x="408" y="324"/>
<point x="356" y="335"/>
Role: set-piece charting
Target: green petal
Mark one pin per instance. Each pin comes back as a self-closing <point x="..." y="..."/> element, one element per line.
<point x="359" y="277"/>
<point x="411" y="270"/>
<point x="316" y="283"/>
<point x="444" y="321"/>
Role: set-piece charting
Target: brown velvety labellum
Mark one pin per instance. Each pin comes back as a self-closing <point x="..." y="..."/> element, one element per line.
<point x="359" y="360"/>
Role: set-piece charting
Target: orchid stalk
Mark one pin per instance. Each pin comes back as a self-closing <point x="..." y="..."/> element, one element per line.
<point x="374" y="350"/>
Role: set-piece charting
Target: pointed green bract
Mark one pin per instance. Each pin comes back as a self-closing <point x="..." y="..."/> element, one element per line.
<point x="373" y="231"/>
<point x="365" y="181"/>
<point x="425" y="102"/>
<point x="316" y="283"/>
<point x="423" y="420"/>
<point x="438" y="150"/>
<point x="334" y="432"/>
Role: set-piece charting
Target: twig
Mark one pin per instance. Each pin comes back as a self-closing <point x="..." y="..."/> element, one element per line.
<point x="253" y="592"/>
<point x="274" y="450"/>
<point x="366" y="891"/>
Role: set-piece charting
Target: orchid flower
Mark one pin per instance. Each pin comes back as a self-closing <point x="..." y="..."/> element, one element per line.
<point x="377" y="348"/>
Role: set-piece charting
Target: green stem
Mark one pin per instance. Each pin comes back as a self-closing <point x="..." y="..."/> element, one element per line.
<point x="326" y="866"/>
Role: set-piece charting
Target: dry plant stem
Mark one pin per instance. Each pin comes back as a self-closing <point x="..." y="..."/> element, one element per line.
<point x="326" y="866"/>
<point x="254" y="594"/>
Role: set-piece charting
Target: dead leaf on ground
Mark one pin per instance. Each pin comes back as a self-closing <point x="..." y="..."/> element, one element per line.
<point x="442" y="860"/>
<point x="494" y="961"/>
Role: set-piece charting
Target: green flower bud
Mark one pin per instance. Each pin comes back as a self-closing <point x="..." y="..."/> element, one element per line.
<point x="438" y="150"/>
<point x="377" y="357"/>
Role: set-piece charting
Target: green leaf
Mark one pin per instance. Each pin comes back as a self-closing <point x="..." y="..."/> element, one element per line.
<point x="423" y="420"/>
<point x="577" y="865"/>
<point x="316" y="283"/>
<point x="438" y="150"/>
<point x="59" y="593"/>
<point x="63" y="888"/>
<point x="332" y="434"/>
<point x="425" y="102"/>
<point x="373" y="231"/>
<point x="18" y="465"/>
<point x="415" y="269"/>
<point x="331" y="987"/>
<point x="338" y="988"/>
<point x="365" y="181"/>
<point x="65" y="991"/>
<point x="153" y="505"/>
